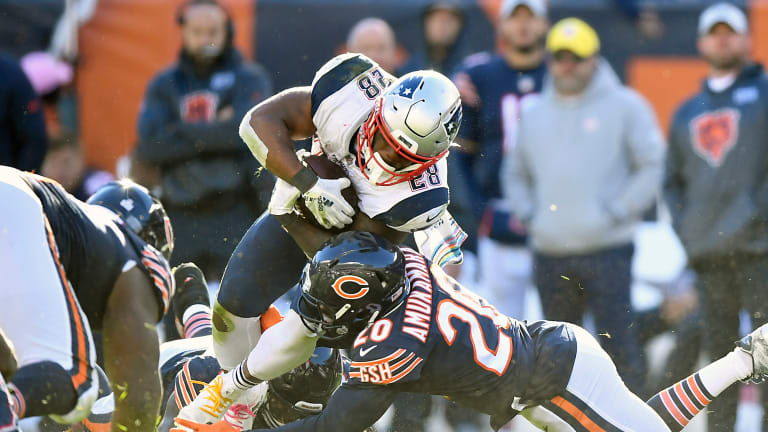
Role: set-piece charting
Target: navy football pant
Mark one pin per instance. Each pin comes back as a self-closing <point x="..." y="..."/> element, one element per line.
<point x="265" y="264"/>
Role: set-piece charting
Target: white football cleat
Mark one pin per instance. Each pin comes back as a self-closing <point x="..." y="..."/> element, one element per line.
<point x="756" y="345"/>
<point x="213" y="401"/>
<point x="243" y="411"/>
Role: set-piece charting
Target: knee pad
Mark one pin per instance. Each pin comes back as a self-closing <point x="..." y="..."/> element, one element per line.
<point x="233" y="337"/>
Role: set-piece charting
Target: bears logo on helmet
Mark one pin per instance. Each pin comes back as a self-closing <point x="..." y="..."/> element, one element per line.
<point x="360" y="282"/>
<point x="330" y="305"/>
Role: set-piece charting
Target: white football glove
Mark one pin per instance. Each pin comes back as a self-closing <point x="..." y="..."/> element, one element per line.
<point x="283" y="198"/>
<point x="326" y="203"/>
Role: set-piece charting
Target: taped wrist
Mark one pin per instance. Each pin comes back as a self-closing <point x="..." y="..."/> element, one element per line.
<point x="304" y="180"/>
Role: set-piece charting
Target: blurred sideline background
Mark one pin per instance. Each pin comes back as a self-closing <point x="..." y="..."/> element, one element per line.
<point x="122" y="43"/>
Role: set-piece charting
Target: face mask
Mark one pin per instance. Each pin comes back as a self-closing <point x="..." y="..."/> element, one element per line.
<point x="377" y="169"/>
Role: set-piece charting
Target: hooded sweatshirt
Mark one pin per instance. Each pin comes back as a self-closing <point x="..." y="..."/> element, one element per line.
<point x="585" y="167"/>
<point x="716" y="182"/>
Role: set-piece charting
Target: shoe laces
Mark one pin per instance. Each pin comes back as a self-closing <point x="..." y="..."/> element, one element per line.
<point x="237" y="414"/>
<point x="217" y="402"/>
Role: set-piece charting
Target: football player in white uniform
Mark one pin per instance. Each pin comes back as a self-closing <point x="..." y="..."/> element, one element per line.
<point x="391" y="138"/>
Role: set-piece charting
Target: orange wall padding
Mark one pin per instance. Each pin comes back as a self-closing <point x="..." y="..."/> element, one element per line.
<point x="758" y="23"/>
<point x="666" y="82"/>
<point x="121" y="48"/>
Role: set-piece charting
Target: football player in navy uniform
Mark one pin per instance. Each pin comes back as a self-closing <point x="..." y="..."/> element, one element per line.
<point x="187" y="365"/>
<point x="70" y="267"/>
<point x="390" y="138"/>
<point x="409" y="327"/>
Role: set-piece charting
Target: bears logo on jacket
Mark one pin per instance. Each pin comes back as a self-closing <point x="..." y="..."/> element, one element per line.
<point x="713" y="134"/>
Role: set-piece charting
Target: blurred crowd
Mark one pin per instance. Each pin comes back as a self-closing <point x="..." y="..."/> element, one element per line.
<point x="557" y="165"/>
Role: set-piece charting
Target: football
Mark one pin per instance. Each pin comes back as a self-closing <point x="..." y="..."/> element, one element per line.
<point x="326" y="169"/>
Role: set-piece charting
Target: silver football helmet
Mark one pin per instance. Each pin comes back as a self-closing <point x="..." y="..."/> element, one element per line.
<point x="419" y="115"/>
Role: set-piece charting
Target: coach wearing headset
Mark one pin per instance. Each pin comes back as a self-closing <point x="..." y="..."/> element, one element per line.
<point x="188" y="126"/>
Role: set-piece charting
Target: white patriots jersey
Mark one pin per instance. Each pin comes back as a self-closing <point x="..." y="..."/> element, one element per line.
<point x="344" y="91"/>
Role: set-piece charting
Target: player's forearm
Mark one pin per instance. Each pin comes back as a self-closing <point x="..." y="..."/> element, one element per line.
<point x="269" y="128"/>
<point x="132" y="351"/>
<point x="307" y="236"/>
<point x="133" y="372"/>
<point x="363" y="223"/>
<point x="138" y="414"/>
<point x="7" y="358"/>
<point x="347" y="410"/>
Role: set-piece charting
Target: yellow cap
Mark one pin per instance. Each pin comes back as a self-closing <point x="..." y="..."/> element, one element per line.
<point x="574" y="35"/>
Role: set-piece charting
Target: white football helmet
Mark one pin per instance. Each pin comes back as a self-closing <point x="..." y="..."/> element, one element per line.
<point x="419" y="115"/>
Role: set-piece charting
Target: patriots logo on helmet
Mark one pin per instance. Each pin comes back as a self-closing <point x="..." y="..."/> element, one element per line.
<point x="409" y="86"/>
<point x="452" y="125"/>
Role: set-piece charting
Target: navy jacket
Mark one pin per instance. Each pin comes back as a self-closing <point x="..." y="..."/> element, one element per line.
<point x="200" y="156"/>
<point x="22" y="125"/>
<point x="716" y="181"/>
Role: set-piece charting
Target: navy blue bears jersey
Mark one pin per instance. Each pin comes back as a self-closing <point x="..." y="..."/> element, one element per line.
<point x="446" y="340"/>
<point x="493" y="125"/>
<point x="94" y="247"/>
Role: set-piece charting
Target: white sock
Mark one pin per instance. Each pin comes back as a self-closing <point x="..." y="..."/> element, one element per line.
<point x="721" y="374"/>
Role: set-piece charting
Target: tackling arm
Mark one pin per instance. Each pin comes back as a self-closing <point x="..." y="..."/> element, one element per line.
<point x="310" y="238"/>
<point x="131" y="352"/>
<point x="349" y="409"/>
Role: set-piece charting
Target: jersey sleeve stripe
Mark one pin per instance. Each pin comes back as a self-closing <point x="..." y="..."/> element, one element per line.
<point x="188" y="381"/>
<point x="386" y="359"/>
<point x="406" y="371"/>
<point x="160" y="275"/>
<point x="179" y="389"/>
<point x="403" y="361"/>
<point x="414" y="206"/>
<point x="159" y="284"/>
<point x="178" y="401"/>
<point x="336" y="78"/>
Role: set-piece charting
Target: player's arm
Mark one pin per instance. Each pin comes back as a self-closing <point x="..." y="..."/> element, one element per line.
<point x="270" y="127"/>
<point x="349" y="409"/>
<point x="131" y="352"/>
<point x="7" y="358"/>
<point x="309" y="237"/>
